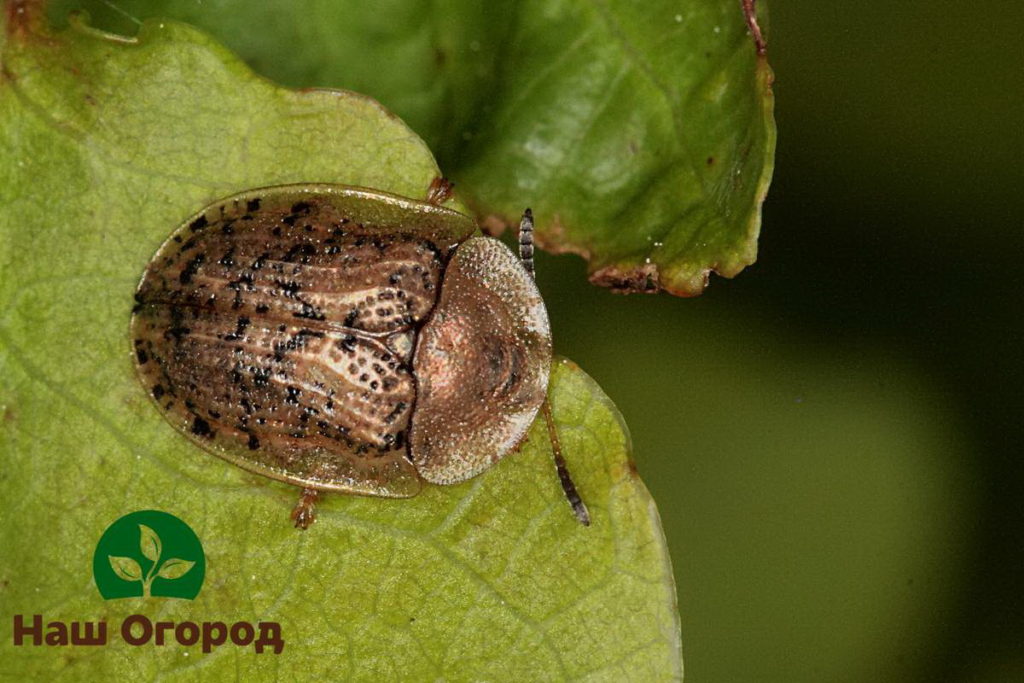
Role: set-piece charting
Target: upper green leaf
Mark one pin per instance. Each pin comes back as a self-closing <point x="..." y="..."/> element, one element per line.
<point x="640" y="133"/>
<point x="106" y="145"/>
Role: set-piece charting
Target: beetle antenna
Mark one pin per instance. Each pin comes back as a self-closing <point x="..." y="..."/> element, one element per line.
<point x="579" y="508"/>
<point x="526" y="242"/>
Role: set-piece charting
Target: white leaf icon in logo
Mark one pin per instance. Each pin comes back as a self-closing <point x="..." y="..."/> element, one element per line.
<point x="126" y="568"/>
<point x="149" y="543"/>
<point x="175" y="568"/>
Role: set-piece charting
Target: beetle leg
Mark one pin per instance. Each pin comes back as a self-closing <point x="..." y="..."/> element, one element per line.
<point x="440" y="191"/>
<point x="304" y="513"/>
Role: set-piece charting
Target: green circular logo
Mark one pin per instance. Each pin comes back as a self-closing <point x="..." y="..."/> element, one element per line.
<point x="149" y="553"/>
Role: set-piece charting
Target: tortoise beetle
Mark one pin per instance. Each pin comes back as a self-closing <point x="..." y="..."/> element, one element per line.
<point x="346" y="339"/>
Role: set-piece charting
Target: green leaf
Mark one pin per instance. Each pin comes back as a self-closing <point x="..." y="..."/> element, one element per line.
<point x="126" y="568"/>
<point x="105" y="146"/>
<point x="149" y="543"/>
<point x="641" y="133"/>
<point x="175" y="568"/>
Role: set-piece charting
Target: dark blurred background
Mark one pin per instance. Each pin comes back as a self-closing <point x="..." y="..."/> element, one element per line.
<point x="833" y="437"/>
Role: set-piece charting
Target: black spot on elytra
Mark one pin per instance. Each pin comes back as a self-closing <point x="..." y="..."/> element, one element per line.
<point x="310" y="312"/>
<point x="393" y="415"/>
<point x="228" y="259"/>
<point x="198" y="224"/>
<point x="290" y="288"/>
<point x="350" y="319"/>
<point x="158" y="392"/>
<point x="190" y="269"/>
<point x="261" y="376"/>
<point x="240" y="326"/>
<point x="254" y="442"/>
<point x="262" y="308"/>
<point x="201" y="427"/>
<point x="303" y="250"/>
<point x="302" y="208"/>
<point x="177" y="333"/>
<point x="253" y="205"/>
<point x="142" y="356"/>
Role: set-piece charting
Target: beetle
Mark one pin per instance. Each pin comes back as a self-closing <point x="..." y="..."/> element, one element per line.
<point x="346" y="339"/>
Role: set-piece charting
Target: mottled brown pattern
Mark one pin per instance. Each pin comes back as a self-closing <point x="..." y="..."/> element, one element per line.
<point x="276" y="328"/>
